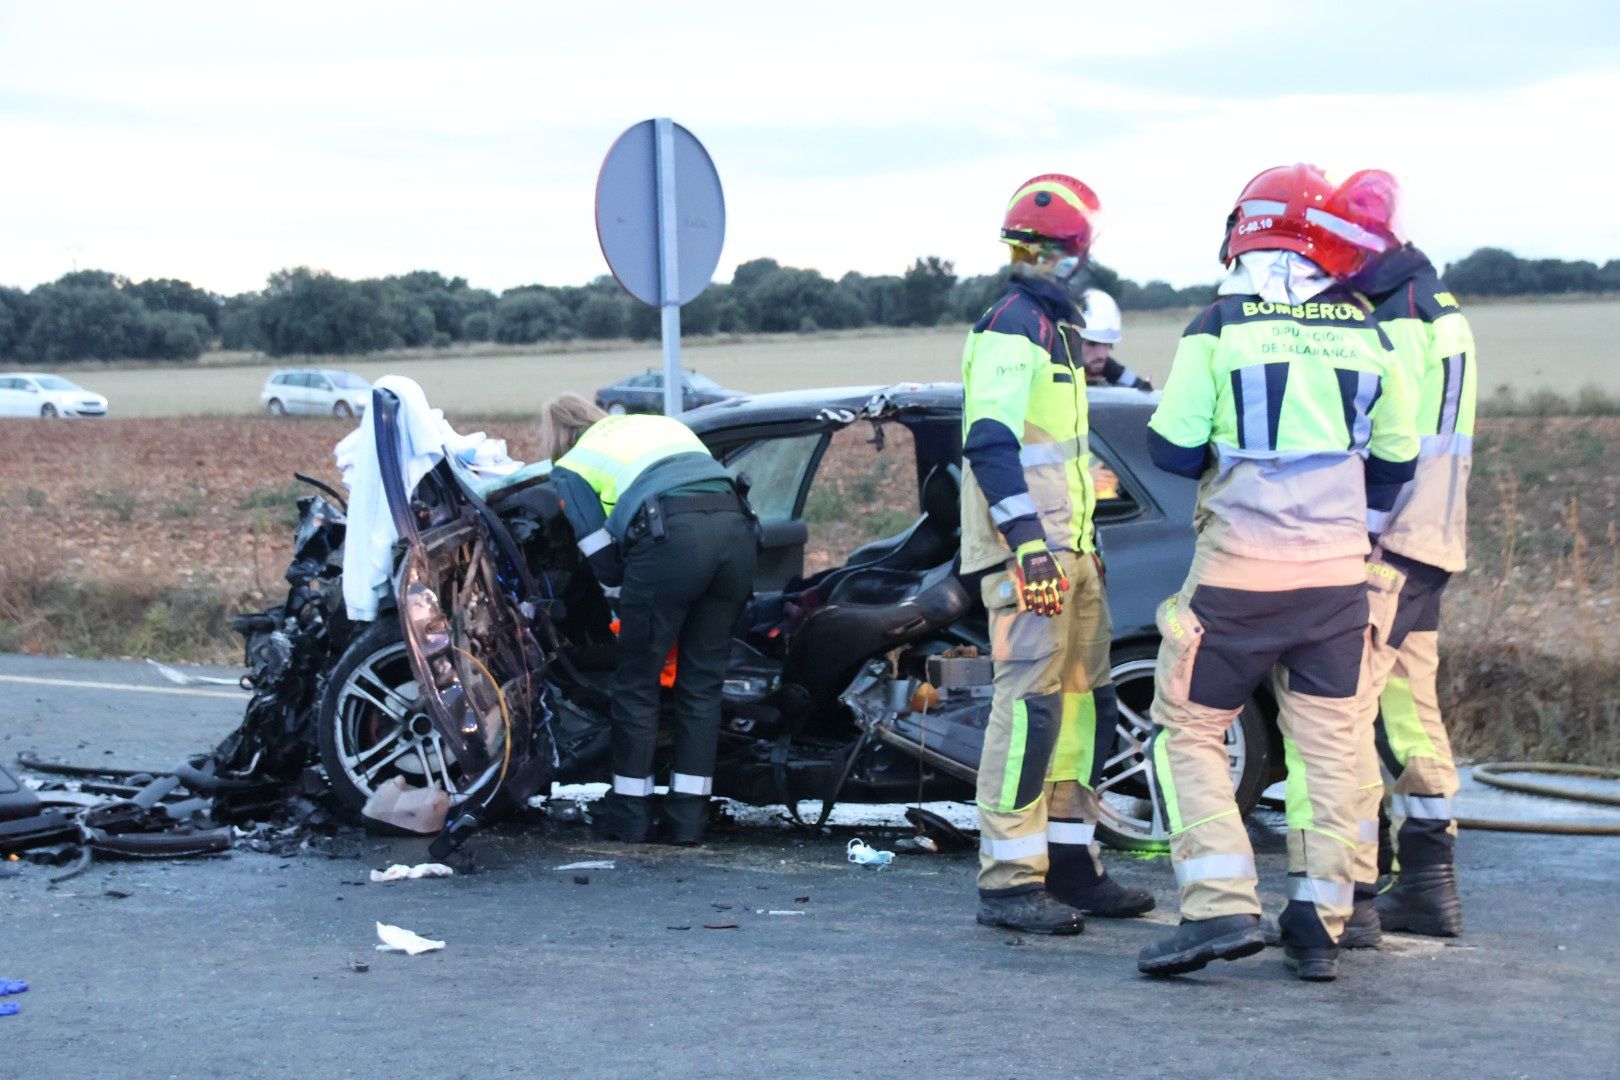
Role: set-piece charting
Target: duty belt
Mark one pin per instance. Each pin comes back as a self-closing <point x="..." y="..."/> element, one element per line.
<point x="649" y="520"/>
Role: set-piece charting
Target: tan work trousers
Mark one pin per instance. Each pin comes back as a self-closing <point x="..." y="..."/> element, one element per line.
<point x="1035" y="771"/>
<point x="1235" y="624"/>
<point x="1400" y="702"/>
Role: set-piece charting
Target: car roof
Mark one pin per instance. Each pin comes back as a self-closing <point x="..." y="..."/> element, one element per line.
<point x="789" y="405"/>
<point x="29" y="375"/>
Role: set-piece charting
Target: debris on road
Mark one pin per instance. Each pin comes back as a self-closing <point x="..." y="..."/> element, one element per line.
<point x="720" y="926"/>
<point x="863" y="854"/>
<point x="401" y="872"/>
<point x="7" y="988"/>
<point x="398" y="939"/>
<point x="762" y="911"/>
<point x="359" y="966"/>
<point x="595" y="864"/>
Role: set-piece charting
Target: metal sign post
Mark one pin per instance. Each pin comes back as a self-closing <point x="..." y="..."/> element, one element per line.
<point x="669" y="263"/>
<point x="661" y="221"/>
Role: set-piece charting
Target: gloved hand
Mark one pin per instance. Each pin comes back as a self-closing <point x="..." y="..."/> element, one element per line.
<point x="1041" y="581"/>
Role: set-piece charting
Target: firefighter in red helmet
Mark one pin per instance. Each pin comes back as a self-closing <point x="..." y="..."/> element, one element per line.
<point x="1286" y="403"/>
<point x="1027" y="535"/>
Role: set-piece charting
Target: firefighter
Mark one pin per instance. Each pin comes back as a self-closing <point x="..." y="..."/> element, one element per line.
<point x="657" y="516"/>
<point x="1027" y="533"/>
<point x="1422" y="541"/>
<point x="1103" y="327"/>
<point x="1286" y="402"/>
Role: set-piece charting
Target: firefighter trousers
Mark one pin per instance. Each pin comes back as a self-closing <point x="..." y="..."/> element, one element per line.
<point x="1401" y="704"/>
<point x="1041" y="747"/>
<point x="687" y="591"/>
<point x="1236" y="623"/>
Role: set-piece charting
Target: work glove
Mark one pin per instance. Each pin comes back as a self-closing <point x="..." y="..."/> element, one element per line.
<point x="1041" y="581"/>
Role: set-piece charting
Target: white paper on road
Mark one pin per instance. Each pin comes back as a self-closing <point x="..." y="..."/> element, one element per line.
<point x="401" y="872"/>
<point x="598" y="864"/>
<point x="398" y="939"/>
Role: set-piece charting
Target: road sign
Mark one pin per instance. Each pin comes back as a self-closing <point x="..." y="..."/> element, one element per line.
<point x="661" y="221"/>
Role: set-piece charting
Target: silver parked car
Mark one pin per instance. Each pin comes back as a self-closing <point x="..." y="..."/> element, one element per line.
<point x="31" y="393"/>
<point x="315" y="391"/>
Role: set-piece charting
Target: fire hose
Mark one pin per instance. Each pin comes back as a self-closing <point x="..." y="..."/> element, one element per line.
<point x="1492" y="774"/>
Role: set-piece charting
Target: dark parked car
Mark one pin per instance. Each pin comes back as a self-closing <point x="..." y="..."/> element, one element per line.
<point x="859" y="673"/>
<point x="645" y="393"/>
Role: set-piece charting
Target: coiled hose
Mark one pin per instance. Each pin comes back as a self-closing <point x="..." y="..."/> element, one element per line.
<point x="1491" y="773"/>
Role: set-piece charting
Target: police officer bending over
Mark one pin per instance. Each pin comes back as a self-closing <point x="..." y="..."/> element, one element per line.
<point x="658" y="517"/>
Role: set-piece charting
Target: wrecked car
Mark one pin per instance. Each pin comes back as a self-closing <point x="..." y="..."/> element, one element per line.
<point x="856" y="676"/>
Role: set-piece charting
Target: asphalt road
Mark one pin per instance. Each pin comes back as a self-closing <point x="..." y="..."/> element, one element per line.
<point x="241" y="966"/>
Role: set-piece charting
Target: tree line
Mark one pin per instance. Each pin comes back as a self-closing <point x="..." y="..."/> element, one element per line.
<point x="93" y="314"/>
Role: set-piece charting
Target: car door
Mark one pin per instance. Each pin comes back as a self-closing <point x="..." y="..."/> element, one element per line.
<point x="321" y="395"/>
<point x="9" y="397"/>
<point x="303" y="392"/>
<point x="779" y="470"/>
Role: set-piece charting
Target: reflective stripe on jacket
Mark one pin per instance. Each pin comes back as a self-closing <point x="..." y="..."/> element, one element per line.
<point x="1026" y="456"/>
<point x="1429" y="521"/>
<point x="1306" y="415"/>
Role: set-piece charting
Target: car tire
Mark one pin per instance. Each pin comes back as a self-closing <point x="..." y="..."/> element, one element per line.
<point x="357" y="736"/>
<point x="47" y="412"/>
<point x="342" y="410"/>
<point x="275" y="408"/>
<point x="616" y="409"/>
<point x="1127" y="820"/>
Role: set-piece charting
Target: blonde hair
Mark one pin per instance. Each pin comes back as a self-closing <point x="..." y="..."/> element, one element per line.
<point x="563" y="420"/>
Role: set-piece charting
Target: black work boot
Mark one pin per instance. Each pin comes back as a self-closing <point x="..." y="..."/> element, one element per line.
<point x="1196" y="942"/>
<point x="1075" y="879"/>
<point x="1033" y="911"/>
<point x="621" y="817"/>
<point x="1363" y="930"/>
<point x="682" y="820"/>
<point x="1423" y="901"/>
<point x="1307" y="948"/>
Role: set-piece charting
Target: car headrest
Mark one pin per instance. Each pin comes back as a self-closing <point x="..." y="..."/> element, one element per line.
<point x="942" y="494"/>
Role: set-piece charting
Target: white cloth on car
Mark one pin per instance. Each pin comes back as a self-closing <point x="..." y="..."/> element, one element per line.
<point x="368" y="545"/>
<point x="425" y="437"/>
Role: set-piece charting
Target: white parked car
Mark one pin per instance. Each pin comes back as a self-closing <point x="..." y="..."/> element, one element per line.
<point x="315" y="391"/>
<point x="30" y="393"/>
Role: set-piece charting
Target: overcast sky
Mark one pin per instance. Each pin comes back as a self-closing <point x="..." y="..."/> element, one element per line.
<point x="219" y="142"/>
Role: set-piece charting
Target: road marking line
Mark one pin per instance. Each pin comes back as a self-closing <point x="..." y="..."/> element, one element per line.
<point x="233" y="695"/>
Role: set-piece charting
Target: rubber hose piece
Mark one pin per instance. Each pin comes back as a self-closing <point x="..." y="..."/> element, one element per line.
<point x="1490" y="773"/>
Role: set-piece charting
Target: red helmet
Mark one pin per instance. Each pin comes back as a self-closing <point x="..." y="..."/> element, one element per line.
<point x="1052" y="209"/>
<point x="1371" y="199"/>
<point x="1292" y="208"/>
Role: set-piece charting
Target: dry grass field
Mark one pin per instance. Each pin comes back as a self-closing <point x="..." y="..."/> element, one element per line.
<point x="1562" y="344"/>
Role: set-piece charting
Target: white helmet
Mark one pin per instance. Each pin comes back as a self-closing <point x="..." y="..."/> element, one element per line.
<point x="1101" y="314"/>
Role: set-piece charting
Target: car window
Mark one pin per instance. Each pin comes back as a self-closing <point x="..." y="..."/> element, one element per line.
<point x="348" y="380"/>
<point x="649" y="379"/>
<point x="56" y="382"/>
<point x="776" y="468"/>
<point x="1115" y="498"/>
<point x="865" y="489"/>
<point x="694" y="381"/>
<point x="318" y="382"/>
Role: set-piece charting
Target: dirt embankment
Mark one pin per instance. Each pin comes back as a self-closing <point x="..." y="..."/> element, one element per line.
<point x="138" y="537"/>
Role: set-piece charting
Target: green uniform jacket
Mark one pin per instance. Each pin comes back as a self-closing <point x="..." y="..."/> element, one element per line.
<point x="1429" y="520"/>
<point x="1298" y="420"/>
<point x="1025" y="447"/>
<point x="618" y="464"/>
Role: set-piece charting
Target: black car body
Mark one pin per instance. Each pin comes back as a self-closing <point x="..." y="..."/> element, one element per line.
<point x="866" y="680"/>
<point x="645" y="393"/>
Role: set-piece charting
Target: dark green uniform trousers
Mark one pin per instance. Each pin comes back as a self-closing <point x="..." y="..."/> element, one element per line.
<point x="687" y="590"/>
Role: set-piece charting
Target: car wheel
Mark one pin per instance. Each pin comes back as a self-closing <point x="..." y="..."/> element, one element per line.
<point x="47" y="412"/>
<point x="616" y="409"/>
<point x="1127" y="787"/>
<point x="374" y="723"/>
<point x="342" y="411"/>
<point x="275" y="408"/>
